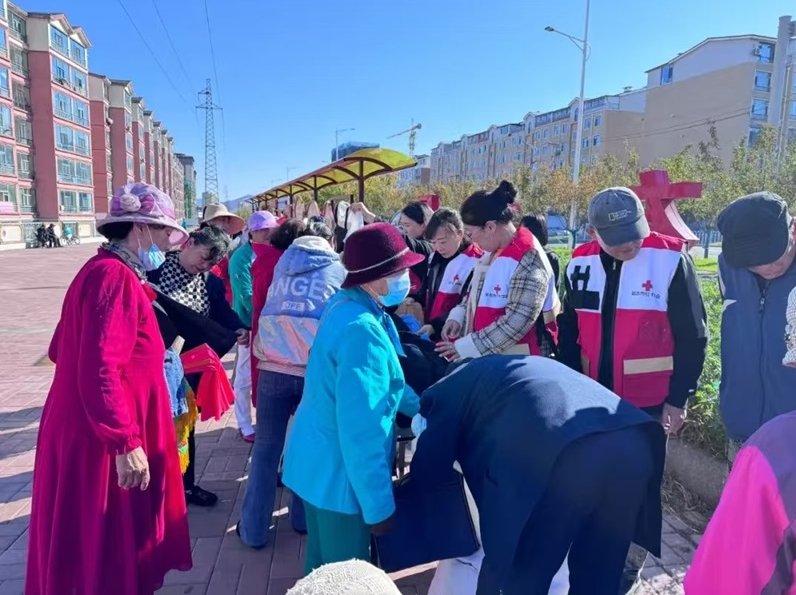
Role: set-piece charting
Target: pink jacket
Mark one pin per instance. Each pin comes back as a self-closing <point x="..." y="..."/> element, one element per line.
<point x="749" y="547"/>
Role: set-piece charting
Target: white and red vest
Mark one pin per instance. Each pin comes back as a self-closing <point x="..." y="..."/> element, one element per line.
<point x="642" y="341"/>
<point x="453" y="279"/>
<point x="495" y="290"/>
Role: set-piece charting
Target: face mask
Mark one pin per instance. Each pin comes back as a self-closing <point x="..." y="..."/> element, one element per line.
<point x="397" y="290"/>
<point x="152" y="258"/>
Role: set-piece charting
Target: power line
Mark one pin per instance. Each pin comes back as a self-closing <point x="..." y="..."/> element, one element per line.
<point x="218" y="87"/>
<point x="171" y="42"/>
<point x="151" y="52"/>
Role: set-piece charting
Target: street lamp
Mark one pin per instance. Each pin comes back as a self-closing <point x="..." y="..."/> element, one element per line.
<point x="336" y="136"/>
<point x="583" y="46"/>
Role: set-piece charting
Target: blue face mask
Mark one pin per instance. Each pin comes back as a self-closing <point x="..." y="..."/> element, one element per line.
<point x="397" y="290"/>
<point x="152" y="258"/>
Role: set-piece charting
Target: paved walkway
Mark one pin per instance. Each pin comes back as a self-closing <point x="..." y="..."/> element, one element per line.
<point x="32" y="285"/>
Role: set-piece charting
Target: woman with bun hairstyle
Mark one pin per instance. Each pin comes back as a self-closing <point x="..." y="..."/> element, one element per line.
<point x="512" y="284"/>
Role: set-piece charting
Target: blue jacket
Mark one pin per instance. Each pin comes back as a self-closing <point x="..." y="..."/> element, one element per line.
<point x="307" y="275"/>
<point x="240" y="280"/>
<point x="340" y="451"/>
<point x="755" y="386"/>
<point x="506" y="419"/>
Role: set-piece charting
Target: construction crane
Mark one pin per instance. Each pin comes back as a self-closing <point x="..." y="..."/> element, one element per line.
<point x="412" y="132"/>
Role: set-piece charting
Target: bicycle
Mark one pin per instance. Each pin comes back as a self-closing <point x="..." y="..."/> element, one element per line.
<point x="72" y="240"/>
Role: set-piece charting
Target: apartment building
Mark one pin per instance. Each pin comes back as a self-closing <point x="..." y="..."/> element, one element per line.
<point x="122" y="148"/>
<point x="149" y="151"/>
<point x="101" y="156"/>
<point x="189" y="185"/>
<point x="178" y="186"/>
<point x="157" y="159"/>
<point x="726" y="82"/>
<point x="419" y="175"/>
<point x="139" y="145"/>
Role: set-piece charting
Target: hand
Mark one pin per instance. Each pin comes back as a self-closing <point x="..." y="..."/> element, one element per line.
<point x="447" y="350"/>
<point x="383" y="527"/>
<point x="133" y="469"/>
<point x="426" y="329"/>
<point x="451" y="330"/>
<point x="243" y="336"/>
<point x="359" y="207"/>
<point x="672" y="418"/>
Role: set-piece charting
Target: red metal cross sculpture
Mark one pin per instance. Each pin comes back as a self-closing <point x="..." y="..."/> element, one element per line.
<point x="659" y="195"/>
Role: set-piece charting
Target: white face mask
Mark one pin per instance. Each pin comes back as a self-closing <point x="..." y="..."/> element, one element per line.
<point x="153" y="258"/>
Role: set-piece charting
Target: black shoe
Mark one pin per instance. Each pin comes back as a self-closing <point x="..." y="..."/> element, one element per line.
<point x="199" y="497"/>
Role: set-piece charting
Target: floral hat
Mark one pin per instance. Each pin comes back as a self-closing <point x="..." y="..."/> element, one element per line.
<point x="147" y="204"/>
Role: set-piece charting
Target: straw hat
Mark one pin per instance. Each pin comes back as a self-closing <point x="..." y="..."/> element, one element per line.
<point x="790" y="331"/>
<point x="354" y="577"/>
<point x="218" y="210"/>
<point x="374" y="252"/>
<point x="146" y="204"/>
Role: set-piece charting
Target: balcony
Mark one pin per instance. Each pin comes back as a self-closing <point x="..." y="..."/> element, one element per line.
<point x="68" y="208"/>
<point x="19" y="68"/>
<point x="74" y="180"/>
<point x="4" y="51"/>
<point x="18" y="34"/>
<point x="80" y="89"/>
<point x="5" y="91"/>
<point x="63" y="114"/>
<point x="78" y="59"/>
<point x="24" y="140"/>
<point x="7" y="169"/>
<point x="61" y="50"/>
<point x="22" y="102"/>
<point x="80" y="120"/>
<point x="25" y="175"/>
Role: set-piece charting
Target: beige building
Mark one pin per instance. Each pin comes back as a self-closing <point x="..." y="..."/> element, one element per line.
<point x="724" y="82"/>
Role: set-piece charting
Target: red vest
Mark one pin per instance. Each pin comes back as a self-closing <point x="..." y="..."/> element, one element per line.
<point x="495" y="289"/>
<point x="643" y="342"/>
<point x="453" y="279"/>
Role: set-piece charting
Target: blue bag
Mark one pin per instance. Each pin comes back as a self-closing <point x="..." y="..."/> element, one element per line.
<point x="431" y="524"/>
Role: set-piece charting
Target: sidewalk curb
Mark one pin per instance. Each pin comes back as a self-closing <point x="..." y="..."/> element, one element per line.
<point x="700" y="472"/>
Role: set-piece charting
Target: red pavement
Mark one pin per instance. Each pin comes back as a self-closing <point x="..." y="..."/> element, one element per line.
<point x="32" y="286"/>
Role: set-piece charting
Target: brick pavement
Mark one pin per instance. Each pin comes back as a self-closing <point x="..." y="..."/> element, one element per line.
<point x="32" y="285"/>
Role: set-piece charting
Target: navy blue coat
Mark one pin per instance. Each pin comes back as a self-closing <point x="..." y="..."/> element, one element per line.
<point x="506" y="419"/>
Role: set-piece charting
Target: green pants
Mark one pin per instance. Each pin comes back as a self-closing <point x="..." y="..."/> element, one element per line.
<point x="334" y="537"/>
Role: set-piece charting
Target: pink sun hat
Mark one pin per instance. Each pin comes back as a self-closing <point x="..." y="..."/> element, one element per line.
<point x="147" y="204"/>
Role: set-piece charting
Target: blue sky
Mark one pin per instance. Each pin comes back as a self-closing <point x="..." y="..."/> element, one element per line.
<point x="290" y="72"/>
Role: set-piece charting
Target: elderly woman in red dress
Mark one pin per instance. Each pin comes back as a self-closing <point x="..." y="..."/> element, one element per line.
<point x="108" y="512"/>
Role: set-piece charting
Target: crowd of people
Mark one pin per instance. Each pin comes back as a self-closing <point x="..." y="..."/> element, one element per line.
<point x="547" y="394"/>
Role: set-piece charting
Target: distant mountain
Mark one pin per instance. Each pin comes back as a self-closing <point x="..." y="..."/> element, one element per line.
<point x="234" y="204"/>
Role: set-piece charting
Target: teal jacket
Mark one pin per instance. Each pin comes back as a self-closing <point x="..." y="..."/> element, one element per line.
<point x="240" y="279"/>
<point x="340" y="451"/>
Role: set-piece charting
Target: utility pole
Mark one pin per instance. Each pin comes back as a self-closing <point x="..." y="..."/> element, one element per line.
<point x="210" y="195"/>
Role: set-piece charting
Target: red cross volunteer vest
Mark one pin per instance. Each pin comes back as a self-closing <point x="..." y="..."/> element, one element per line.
<point x="453" y="279"/>
<point x="643" y="342"/>
<point x="495" y="290"/>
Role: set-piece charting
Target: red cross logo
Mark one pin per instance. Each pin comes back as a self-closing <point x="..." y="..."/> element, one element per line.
<point x="647" y="286"/>
<point x="497" y="289"/>
<point x="456" y="278"/>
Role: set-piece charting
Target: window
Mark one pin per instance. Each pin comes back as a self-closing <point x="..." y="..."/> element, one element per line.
<point x="19" y="61"/>
<point x="79" y="83"/>
<point x="586" y="143"/>
<point x="62" y="105"/>
<point x="27" y="200"/>
<point x="64" y="138"/>
<point x="108" y="165"/>
<point x="59" y="41"/>
<point x="596" y="140"/>
<point x="598" y="121"/>
<point x="667" y="74"/>
<point x="128" y="142"/>
<point x="83" y="173"/>
<point x="7" y="159"/>
<point x="586" y="123"/>
<point x="66" y="170"/>
<point x="6" y="121"/>
<point x="24" y="166"/>
<point x="21" y="95"/>
<point x="85" y="202"/>
<point x="81" y="113"/>
<point x="5" y="89"/>
<point x="564" y="128"/>
<point x="538" y="135"/>
<point x="18" y="28"/>
<point x="556" y="130"/>
<point x="544" y="149"/>
<point x="142" y="172"/>
<point x="762" y="80"/>
<point x="8" y="193"/>
<point x="129" y="165"/>
<point x="545" y="133"/>
<point x="22" y="131"/>
<point x="82" y="145"/>
<point x="759" y="109"/>
<point x="754" y="135"/>
<point x="128" y="99"/>
<point x="68" y="200"/>
<point x="77" y="52"/>
<point x="128" y="120"/>
<point x="60" y="71"/>
<point x="765" y="53"/>
<point x="3" y="42"/>
<point x="141" y="154"/>
<point x="793" y="109"/>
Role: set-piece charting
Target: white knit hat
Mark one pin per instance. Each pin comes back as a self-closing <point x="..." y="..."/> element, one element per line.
<point x="790" y="331"/>
<point x="354" y="577"/>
